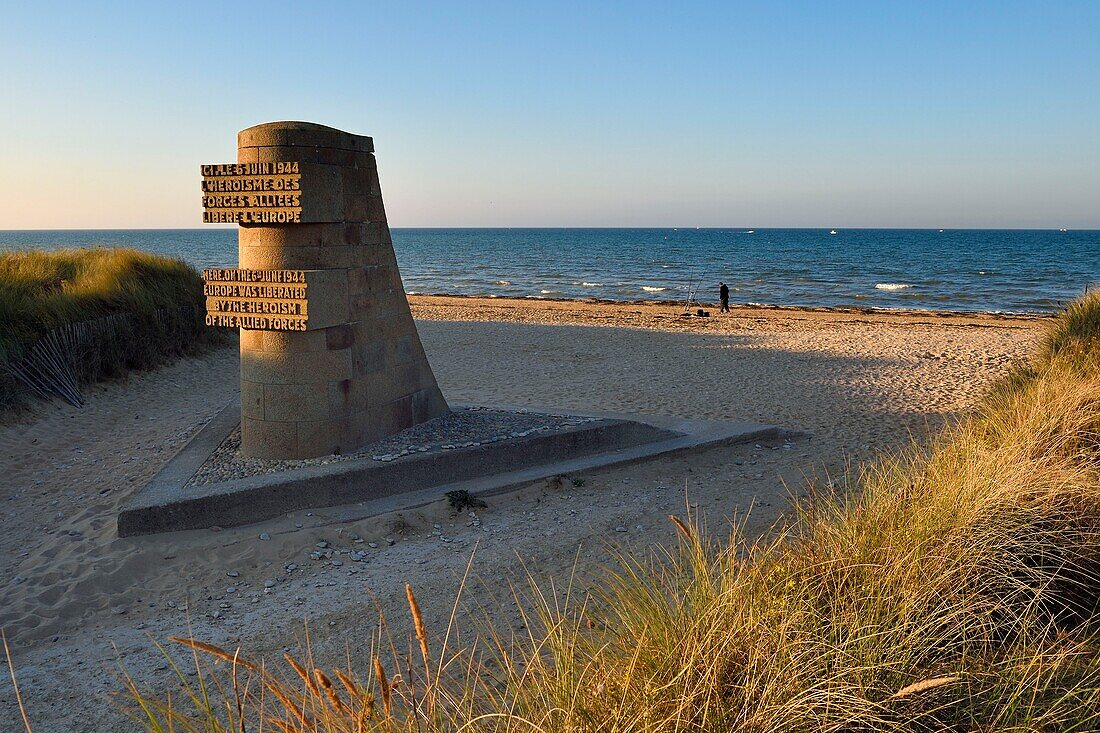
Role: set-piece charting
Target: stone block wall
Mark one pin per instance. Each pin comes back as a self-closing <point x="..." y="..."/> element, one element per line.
<point x="333" y="389"/>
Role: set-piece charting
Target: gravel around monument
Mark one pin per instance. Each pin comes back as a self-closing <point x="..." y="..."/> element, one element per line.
<point x="465" y="427"/>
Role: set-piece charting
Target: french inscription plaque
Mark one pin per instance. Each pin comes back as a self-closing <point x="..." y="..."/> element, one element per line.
<point x="252" y="193"/>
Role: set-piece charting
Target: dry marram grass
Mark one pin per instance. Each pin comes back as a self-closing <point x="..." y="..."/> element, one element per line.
<point x="953" y="587"/>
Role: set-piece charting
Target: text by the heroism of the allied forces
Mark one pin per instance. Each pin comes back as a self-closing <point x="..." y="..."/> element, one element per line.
<point x="263" y="300"/>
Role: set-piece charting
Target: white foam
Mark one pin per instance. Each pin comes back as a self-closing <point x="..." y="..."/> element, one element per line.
<point x="650" y="289"/>
<point x="546" y="292"/>
<point x="503" y="282"/>
<point x="893" y="286"/>
<point x="589" y="285"/>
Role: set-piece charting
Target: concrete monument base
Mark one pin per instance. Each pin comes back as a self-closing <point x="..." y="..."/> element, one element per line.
<point x="187" y="494"/>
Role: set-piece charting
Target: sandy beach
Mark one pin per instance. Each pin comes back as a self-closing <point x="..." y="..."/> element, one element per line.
<point x="77" y="600"/>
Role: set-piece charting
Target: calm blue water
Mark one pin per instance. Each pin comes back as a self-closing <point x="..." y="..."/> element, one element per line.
<point x="965" y="270"/>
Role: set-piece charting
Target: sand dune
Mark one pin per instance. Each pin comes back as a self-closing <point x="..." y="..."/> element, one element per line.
<point x="77" y="598"/>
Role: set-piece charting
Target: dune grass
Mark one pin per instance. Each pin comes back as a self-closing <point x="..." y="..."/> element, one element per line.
<point x="160" y="300"/>
<point x="953" y="587"/>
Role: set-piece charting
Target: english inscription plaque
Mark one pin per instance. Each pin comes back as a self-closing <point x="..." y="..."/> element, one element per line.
<point x="262" y="300"/>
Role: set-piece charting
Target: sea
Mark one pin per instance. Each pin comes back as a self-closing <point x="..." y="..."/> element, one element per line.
<point x="1001" y="271"/>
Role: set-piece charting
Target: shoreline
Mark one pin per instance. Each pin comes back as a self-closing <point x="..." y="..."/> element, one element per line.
<point x="583" y="312"/>
<point x="735" y="307"/>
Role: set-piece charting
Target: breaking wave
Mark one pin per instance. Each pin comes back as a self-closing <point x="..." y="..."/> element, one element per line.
<point x="893" y="286"/>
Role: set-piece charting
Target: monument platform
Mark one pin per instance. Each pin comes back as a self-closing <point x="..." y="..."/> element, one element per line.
<point x="482" y="450"/>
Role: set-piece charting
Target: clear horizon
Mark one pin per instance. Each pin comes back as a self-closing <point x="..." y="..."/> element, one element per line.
<point x="846" y="115"/>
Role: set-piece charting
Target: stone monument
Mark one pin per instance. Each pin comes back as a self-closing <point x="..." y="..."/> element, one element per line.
<point x="330" y="356"/>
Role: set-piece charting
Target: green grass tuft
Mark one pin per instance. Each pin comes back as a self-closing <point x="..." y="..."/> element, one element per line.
<point x="161" y="297"/>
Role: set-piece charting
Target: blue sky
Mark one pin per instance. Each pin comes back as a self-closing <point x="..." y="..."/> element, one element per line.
<point x="925" y="114"/>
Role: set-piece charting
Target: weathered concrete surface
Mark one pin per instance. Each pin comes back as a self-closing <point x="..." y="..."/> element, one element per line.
<point x="164" y="505"/>
<point x="364" y="376"/>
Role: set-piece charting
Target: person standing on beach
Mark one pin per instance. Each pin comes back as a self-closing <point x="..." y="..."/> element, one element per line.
<point x="724" y="296"/>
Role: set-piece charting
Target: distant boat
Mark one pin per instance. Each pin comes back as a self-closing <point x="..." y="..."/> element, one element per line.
<point x="941" y="231"/>
<point x="1062" y="230"/>
<point x="751" y="231"/>
<point x="832" y="231"/>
